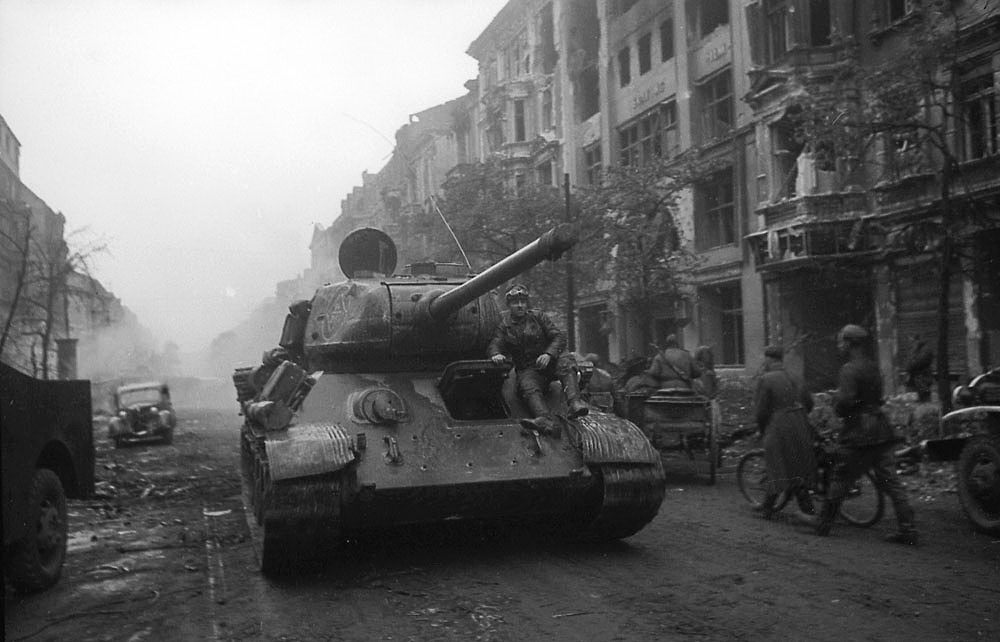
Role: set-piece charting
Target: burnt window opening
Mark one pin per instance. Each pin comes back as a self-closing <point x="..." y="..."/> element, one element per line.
<point x="624" y="67"/>
<point x="715" y="211"/>
<point x="520" y="133"/>
<point x="714" y="13"/>
<point x="903" y="154"/>
<point x="820" y="25"/>
<point x="979" y="124"/>
<point x="546" y="31"/>
<point x="588" y="93"/>
<point x="592" y="163"/>
<point x="716" y="98"/>
<point x="645" y="53"/>
<point x="666" y="40"/>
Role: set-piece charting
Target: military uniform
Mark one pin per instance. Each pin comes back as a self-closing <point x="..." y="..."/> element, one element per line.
<point x="523" y="340"/>
<point x="866" y="441"/>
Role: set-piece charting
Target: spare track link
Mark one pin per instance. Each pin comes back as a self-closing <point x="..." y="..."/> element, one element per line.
<point x="294" y="522"/>
<point x="632" y="495"/>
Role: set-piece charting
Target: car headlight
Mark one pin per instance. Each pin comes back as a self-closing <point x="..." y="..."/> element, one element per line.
<point x="962" y="396"/>
<point x="122" y="414"/>
<point x="154" y="409"/>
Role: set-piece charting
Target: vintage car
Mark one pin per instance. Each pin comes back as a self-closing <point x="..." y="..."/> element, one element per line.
<point x="970" y="434"/>
<point x="143" y="412"/>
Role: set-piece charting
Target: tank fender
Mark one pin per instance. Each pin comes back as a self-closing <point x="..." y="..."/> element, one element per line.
<point x="609" y="439"/>
<point x="308" y="449"/>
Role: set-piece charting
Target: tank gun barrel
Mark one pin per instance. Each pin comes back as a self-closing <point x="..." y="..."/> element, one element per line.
<point x="550" y="245"/>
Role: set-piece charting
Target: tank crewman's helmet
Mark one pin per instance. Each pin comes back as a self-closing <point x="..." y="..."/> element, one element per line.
<point x="853" y="334"/>
<point x="517" y="292"/>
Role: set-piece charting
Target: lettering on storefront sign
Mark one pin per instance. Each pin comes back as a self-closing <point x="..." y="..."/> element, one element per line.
<point x="648" y="94"/>
<point x="715" y="53"/>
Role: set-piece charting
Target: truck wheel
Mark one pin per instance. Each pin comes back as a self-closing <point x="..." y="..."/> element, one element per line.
<point x="37" y="559"/>
<point x="979" y="482"/>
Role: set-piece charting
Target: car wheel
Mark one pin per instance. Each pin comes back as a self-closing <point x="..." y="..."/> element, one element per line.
<point x="979" y="482"/>
<point x="168" y="436"/>
<point x="37" y="559"/>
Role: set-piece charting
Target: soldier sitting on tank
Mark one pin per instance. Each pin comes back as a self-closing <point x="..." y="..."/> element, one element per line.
<point x="537" y="349"/>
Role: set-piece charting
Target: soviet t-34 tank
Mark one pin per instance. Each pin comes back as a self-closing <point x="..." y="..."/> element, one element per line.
<point x="380" y="409"/>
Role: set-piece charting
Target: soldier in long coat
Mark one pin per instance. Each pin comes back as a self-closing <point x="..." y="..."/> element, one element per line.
<point x="781" y="406"/>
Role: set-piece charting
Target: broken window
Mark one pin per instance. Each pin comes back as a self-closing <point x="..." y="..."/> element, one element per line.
<point x="714" y="13"/>
<point x="666" y="39"/>
<point x="721" y="321"/>
<point x="592" y="163"/>
<point x="716" y="98"/>
<point x="588" y="94"/>
<point x="786" y="160"/>
<point x="624" y="67"/>
<point x="645" y="53"/>
<point x="519" y="126"/>
<point x="903" y="154"/>
<point x="715" y="211"/>
<point x="777" y="30"/>
<point x="981" y="136"/>
<point x="546" y="32"/>
<point x="651" y="136"/>
<point x="544" y="173"/>
<point x="819" y="22"/>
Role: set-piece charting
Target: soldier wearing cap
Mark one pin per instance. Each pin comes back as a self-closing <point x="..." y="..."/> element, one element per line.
<point x="781" y="406"/>
<point x="866" y="438"/>
<point x="537" y="349"/>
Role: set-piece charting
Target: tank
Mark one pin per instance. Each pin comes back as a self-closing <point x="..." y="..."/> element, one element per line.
<point x="379" y="410"/>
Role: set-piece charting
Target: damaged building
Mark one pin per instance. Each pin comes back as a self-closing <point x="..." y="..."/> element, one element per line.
<point x="791" y="242"/>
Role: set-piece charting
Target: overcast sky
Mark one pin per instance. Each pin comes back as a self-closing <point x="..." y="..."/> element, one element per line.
<point x="202" y="139"/>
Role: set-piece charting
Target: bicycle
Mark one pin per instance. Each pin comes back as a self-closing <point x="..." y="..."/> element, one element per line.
<point x="863" y="506"/>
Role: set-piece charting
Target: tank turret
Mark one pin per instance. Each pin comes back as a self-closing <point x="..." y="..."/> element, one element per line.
<point x="384" y="321"/>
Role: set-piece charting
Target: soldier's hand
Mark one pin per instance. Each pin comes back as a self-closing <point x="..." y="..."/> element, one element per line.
<point x="498" y="358"/>
<point x="543" y="360"/>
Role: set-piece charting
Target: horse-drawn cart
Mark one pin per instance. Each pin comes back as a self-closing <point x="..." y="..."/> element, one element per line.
<point x="675" y="419"/>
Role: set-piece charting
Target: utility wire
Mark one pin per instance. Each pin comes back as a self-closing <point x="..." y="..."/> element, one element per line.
<point x="450" y="231"/>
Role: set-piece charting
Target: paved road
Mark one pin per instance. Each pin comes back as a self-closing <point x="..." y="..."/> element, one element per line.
<point x="165" y="555"/>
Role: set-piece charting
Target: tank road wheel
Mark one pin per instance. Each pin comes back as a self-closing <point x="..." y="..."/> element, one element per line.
<point x="752" y="479"/>
<point x="36" y="560"/>
<point x="979" y="482"/>
<point x="864" y="504"/>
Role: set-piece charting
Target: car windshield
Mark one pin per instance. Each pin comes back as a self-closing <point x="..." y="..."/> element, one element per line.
<point x="144" y="395"/>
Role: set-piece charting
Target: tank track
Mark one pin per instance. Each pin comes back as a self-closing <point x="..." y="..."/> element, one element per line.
<point x="293" y="523"/>
<point x="629" y="496"/>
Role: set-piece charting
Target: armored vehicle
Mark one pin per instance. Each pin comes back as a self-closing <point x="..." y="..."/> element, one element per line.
<point x="379" y="409"/>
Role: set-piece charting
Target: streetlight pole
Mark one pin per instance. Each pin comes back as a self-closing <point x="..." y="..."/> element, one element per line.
<point x="570" y="285"/>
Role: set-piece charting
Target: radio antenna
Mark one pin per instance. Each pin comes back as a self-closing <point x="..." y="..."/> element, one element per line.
<point x="450" y="231"/>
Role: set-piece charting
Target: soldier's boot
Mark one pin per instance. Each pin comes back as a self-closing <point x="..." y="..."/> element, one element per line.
<point x="826" y="516"/>
<point x="766" y="509"/>
<point x="805" y="502"/>
<point x="577" y="407"/>
<point x="542" y="422"/>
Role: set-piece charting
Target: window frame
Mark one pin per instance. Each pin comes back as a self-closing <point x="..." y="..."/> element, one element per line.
<point x="644" y="47"/>
<point x="593" y="163"/>
<point x="715" y="218"/>
<point x="667" y="43"/>
<point x="711" y="100"/>
<point x="646" y="138"/>
<point x="979" y="139"/>
<point x="624" y="66"/>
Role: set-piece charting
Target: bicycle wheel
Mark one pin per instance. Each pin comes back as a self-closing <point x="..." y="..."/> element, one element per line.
<point x="752" y="479"/>
<point x="864" y="504"/>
